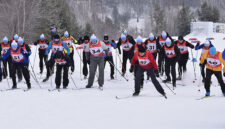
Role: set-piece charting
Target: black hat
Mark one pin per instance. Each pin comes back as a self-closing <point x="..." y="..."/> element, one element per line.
<point x="59" y="55"/>
<point x="106" y="37"/>
<point x="56" y="37"/>
<point x="180" y="37"/>
<point x="141" y="48"/>
<point x="86" y="37"/>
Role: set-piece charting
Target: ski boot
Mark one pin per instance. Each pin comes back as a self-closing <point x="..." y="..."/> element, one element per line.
<point x="88" y="86"/>
<point x="136" y="93"/>
<point x="46" y="79"/>
<point x="167" y="80"/>
<point x="207" y="94"/>
<point x="179" y="77"/>
<point x="28" y="85"/>
<point x="112" y="77"/>
<point x="14" y="87"/>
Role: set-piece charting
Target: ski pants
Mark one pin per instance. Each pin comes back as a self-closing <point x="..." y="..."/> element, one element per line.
<point x="170" y="67"/>
<point x="6" y="62"/>
<point x="24" y="70"/>
<point x="43" y="58"/>
<point x="72" y="60"/>
<point x="85" y="65"/>
<point x="219" y="77"/>
<point x="182" y="63"/>
<point x="111" y="63"/>
<point x="94" y="62"/>
<point x="126" y="56"/>
<point x="151" y="74"/>
<point x="161" y="62"/>
<point x="58" y="77"/>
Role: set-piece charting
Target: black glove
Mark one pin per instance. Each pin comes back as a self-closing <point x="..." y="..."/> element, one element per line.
<point x="224" y="74"/>
<point x="106" y="58"/>
<point x="88" y="61"/>
<point x="201" y="65"/>
<point x="157" y="73"/>
<point x="198" y="44"/>
<point x="120" y="52"/>
<point x="131" y="69"/>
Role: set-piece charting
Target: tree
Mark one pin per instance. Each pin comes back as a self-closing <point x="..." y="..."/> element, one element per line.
<point x="208" y="13"/>
<point x="184" y="18"/>
<point x="159" y="19"/>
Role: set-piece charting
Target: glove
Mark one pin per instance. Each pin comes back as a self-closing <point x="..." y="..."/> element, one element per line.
<point x="113" y="41"/>
<point x="224" y="74"/>
<point x="131" y="69"/>
<point x="198" y="44"/>
<point x="88" y="61"/>
<point x="201" y="65"/>
<point x="157" y="73"/>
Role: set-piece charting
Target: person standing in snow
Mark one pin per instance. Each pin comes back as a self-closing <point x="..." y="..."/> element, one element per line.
<point x="19" y="61"/>
<point x="172" y="55"/>
<point x="213" y="60"/>
<point x="4" y="47"/>
<point x="205" y="46"/>
<point x="42" y="43"/>
<point x="139" y="43"/>
<point x="55" y="45"/>
<point x="109" y="44"/>
<point x="53" y="30"/>
<point x="127" y="42"/>
<point x="69" y="40"/>
<point x="182" y="62"/>
<point x="85" y="43"/>
<point x="151" y="45"/>
<point x="62" y="63"/>
<point x="161" y="40"/>
<point x="146" y="62"/>
<point x="27" y="51"/>
<point x="94" y="53"/>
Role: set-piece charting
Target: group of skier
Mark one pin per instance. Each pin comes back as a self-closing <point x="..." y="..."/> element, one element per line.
<point x="142" y="54"/>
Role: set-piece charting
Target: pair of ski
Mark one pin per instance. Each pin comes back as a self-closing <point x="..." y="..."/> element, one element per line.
<point x="12" y="89"/>
<point x="83" y="88"/>
<point x="131" y="96"/>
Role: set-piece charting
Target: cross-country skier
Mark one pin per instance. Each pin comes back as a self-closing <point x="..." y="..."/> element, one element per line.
<point x="94" y="53"/>
<point x="53" y="30"/>
<point x="69" y="40"/>
<point x="205" y="46"/>
<point x="62" y="63"/>
<point x="26" y="50"/>
<point x="151" y="45"/>
<point x="4" y="47"/>
<point x="161" y="40"/>
<point x="109" y="44"/>
<point x="42" y="43"/>
<point x="146" y="62"/>
<point x="182" y="62"/>
<point x="85" y="43"/>
<point x="172" y="54"/>
<point x="19" y="61"/>
<point x="127" y="42"/>
<point x="213" y="60"/>
<point x="55" y="45"/>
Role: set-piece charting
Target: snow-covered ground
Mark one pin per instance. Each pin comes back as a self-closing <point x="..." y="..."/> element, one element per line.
<point x="95" y="109"/>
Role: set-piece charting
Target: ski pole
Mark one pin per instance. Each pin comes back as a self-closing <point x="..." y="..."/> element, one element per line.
<point x="35" y="56"/>
<point x="35" y="78"/>
<point x="193" y="66"/>
<point x="4" y="72"/>
<point x="118" y="71"/>
<point x="168" y="87"/>
<point x="73" y="81"/>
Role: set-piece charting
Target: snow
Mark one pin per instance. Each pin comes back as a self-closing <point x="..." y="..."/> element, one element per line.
<point x="95" y="109"/>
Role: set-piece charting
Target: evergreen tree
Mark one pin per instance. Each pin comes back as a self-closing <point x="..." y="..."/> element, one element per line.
<point x="159" y="19"/>
<point x="208" y="13"/>
<point x="184" y="18"/>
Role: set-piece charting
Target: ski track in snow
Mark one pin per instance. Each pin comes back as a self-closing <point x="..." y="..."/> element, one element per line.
<point x="92" y="108"/>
